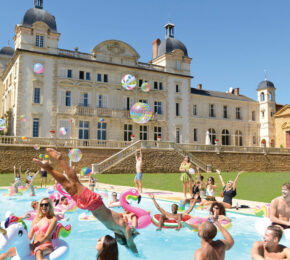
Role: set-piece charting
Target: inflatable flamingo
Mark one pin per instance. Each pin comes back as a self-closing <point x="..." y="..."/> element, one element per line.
<point x="14" y="234"/>
<point x="143" y="216"/>
<point x="71" y="203"/>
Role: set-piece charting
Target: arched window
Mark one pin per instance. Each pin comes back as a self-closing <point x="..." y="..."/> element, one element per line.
<point x="225" y="137"/>
<point x="212" y="135"/>
<point x="262" y="96"/>
<point x="272" y="143"/>
<point x="238" y="138"/>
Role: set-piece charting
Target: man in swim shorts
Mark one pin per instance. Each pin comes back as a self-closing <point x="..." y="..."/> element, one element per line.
<point x="280" y="208"/>
<point x="270" y="247"/>
<point x="86" y="199"/>
<point x="139" y="164"/>
<point x="43" y="174"/>
<point x="210" y="249"/>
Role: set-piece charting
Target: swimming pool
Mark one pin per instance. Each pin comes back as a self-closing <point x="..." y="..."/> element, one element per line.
<point x="168" y="243"/>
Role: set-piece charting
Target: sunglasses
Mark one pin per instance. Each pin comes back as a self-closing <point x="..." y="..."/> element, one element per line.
<point x="44" y="205"/>
<point x="216" y="208"/>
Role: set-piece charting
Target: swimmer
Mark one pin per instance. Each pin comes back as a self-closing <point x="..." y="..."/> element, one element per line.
<point x="139" y="164"/>
<point x="29" y="181"/>
<point x="114" y="202"/>
<point x="92" y="184"/>
<point x="86" y="199"/>
<point x="107" y="248"/>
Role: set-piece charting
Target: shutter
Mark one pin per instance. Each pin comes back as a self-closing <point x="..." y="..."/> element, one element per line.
<point x="125" y="103"/>
<point x="89" y="99"/>
<point x="62" y="98"/>
<point x="81" y="99"/>
<point x="105" y="101"/>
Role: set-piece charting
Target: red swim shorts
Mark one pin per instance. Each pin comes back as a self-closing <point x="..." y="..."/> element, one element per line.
<point x="88" y="200"/>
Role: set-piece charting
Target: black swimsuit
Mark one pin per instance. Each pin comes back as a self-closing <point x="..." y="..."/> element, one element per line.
<point x="195" y="189"/>
<point x="228" y="195"/>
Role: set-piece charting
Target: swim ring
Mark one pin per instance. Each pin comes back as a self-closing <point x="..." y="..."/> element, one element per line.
<point x="169" y="223"/>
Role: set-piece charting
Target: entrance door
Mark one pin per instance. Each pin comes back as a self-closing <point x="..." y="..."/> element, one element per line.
<point x="287" y="139"/>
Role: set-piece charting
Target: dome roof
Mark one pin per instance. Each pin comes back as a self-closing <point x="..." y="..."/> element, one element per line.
<point x="265" y="84"/>
<point x="39" y="15"/>
<point x="7" y="51"/>
<point x="170" y="44"/>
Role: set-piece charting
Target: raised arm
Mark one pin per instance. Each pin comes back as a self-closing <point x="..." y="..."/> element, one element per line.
<point x="221" y="178"/>
<point x="157" y="205"/>
<point x="273" y="213"/>
<point x="34" y="176"/>
<point x="228" y="239"/>
<point x="140" y="154"/>
<point x="236" y="180"/>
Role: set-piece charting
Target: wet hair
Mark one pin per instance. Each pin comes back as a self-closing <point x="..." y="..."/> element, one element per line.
<point x="109" y="250"/>
<point x="120" y="239"/>
<point x="286" y="185"/>
<point x="220" y="206"/>
<point x="277" y="231"/>
<point x="209" y="231"/>
<point x="211" y="178"/>
<point x="176" y="208"/>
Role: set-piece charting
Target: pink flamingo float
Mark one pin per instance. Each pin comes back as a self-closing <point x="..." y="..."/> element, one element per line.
<point x="143" y="217"/>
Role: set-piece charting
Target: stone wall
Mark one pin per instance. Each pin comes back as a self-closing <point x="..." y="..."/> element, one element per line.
<point x="155" y="161"/>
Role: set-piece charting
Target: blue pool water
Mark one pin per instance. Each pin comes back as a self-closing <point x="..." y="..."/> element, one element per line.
<point x="168" y="243"/>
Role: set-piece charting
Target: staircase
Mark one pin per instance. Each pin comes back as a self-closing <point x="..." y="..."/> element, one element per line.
<point x="116" y="158"/>
<point x="192" y="158"/>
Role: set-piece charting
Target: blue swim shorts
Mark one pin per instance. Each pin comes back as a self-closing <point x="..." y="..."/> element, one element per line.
<point x="138" y="176"/>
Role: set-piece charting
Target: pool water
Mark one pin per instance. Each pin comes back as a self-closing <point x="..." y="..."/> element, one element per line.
<point x="168" y="243"/>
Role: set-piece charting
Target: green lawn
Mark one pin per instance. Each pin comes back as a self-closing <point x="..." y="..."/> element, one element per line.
<point x="251" y="186"/>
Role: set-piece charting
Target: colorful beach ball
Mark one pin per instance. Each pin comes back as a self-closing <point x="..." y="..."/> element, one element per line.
<point x="38" y="68"/>
<point x="23" y="118"/>
<point x="36" y="147"/>
<point x="129" y="82"/>
<point x="102" y="120"/>
<point x="86" y="171"/>
<point x="145" y="87"/>
<point x="2" y="124"/>
<point x="46" y="157"/>
<point x="75" y="155"/>
<point x="140" y="113"/>
<point x="24" y="138"/>
<point x="63" y="131"/>
<point x="72" y="120"/>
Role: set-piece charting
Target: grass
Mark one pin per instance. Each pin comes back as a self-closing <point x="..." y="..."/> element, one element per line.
<point x="255" y="186"/>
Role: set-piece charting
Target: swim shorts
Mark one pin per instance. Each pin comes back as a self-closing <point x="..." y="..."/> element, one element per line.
<point x="43" y="174"/>
<point x="88" y="200"/>
<point x="138" y="176"/>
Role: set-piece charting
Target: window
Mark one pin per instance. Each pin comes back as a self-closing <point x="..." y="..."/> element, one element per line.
<point x="143" y="132"/>
<point x="158" y="85"/>
<point x="83" y="129"/>
<point x="253" y="116"/>
<point x="106" y="78"/>
<point x="157" y="132"/>
<point x="177" y="65"/>
<point x="225" y="111"/>
<point x="155" y="85"/>
<point x="271" y="96"/>
<point x="177" y="135"/>
<point x="102" y="131"/>
<point x="262" y="96"/>
<point x="68" y="98"/>
<point x="101" y="101"/>
<point x="140" y="82"/>
<point x="35" y="127"/>
<point x="239" y="138"/>
<point x="127" y="103"/>
<point x="272" y="113"/>
<point x="195" y="134"/>
<point x="68" y="125"/>
<point x="81" y="75"/>
<point x="195" y="110"/>
<point x="99" y="78"/>
<point x="158" y="107"/>
<point x="88" y="76"/>
<point x="225" y="137"/>
<point x="143" y="101"/>
<point x="263" y="113"/>
<point x="39" y="41"/>
<point x="128" y="131"/>
<point x="85" y="101"/>
<point x="177" y="113"/>
<point x="238" y="113"/>
<point x="177" y="90"/>
<point x="36" y="98"/>
<point x="254" y="139"/>
<point x="212" y="135"/>
<point x="69" y="73"/>
<point x="211" y="110"/>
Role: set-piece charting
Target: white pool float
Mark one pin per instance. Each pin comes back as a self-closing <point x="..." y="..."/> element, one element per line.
<point x="15" y="235"/>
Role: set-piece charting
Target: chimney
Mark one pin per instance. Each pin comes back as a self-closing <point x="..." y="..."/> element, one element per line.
<point x="155" y="44"/>
<point x="199" y="86"/>
<point x="236" y="91"/>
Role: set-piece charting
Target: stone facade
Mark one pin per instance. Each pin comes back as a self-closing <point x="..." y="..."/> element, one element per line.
<point x="282" y="125"/>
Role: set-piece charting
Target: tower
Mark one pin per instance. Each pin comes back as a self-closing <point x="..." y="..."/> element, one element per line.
<point x="267" y="109"/>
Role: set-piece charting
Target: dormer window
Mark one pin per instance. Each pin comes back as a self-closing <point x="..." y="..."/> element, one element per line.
<point x="39" y="41"/>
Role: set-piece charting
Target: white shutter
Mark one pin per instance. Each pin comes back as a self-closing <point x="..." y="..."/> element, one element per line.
<point x="105" y="101"/>
<point x="62" y="98"/>
<point x="81" y="98"/>
<point x="131" y="102"/>
<point x="62" y="73"/>
<point x="89" y="99"/>
<point x="124" y="102"/>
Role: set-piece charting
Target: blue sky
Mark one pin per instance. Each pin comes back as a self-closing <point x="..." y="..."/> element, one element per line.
<point x="231" y="42"/>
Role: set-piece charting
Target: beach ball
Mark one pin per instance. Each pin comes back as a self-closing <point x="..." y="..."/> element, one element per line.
<point x="72" y="120"/>
<point x="102" y="120"/>
<point x="63" y="131"/>
<point x="24" y="138"/>
<point x="41" y="156"/>
<point x="2" y="124"/>
<point x="191" y="171"/>
<point x="36" y="147"/>
<point x="129" y="82"/>
<point x="75" y="155"/>
<point x="46" y="157"/>
<point x="38" y="68"/>
<point x="86" y="171"/>
<point x="145" y="87"/>
<point x="23" y="118"/>
<point x="140" y="113"/>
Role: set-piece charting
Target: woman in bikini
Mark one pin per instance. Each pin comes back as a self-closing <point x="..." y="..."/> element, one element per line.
<point x="86" y="199"/>
<point x="42" y="228"/>
<point x="210" y="192"/>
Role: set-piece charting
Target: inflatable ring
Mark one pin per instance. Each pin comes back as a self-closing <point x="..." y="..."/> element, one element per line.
<point x="197" y="221"/>
<point x="263" y="211"/>
<point x="199" y="207"/>
<point x="86" y="217"/>
<point x="168" y="223"/>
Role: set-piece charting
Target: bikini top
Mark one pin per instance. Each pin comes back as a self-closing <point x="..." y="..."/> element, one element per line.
<point x="17" y="178"/>
<point x="209" y="192"/>
<point x="41" y="227"/>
